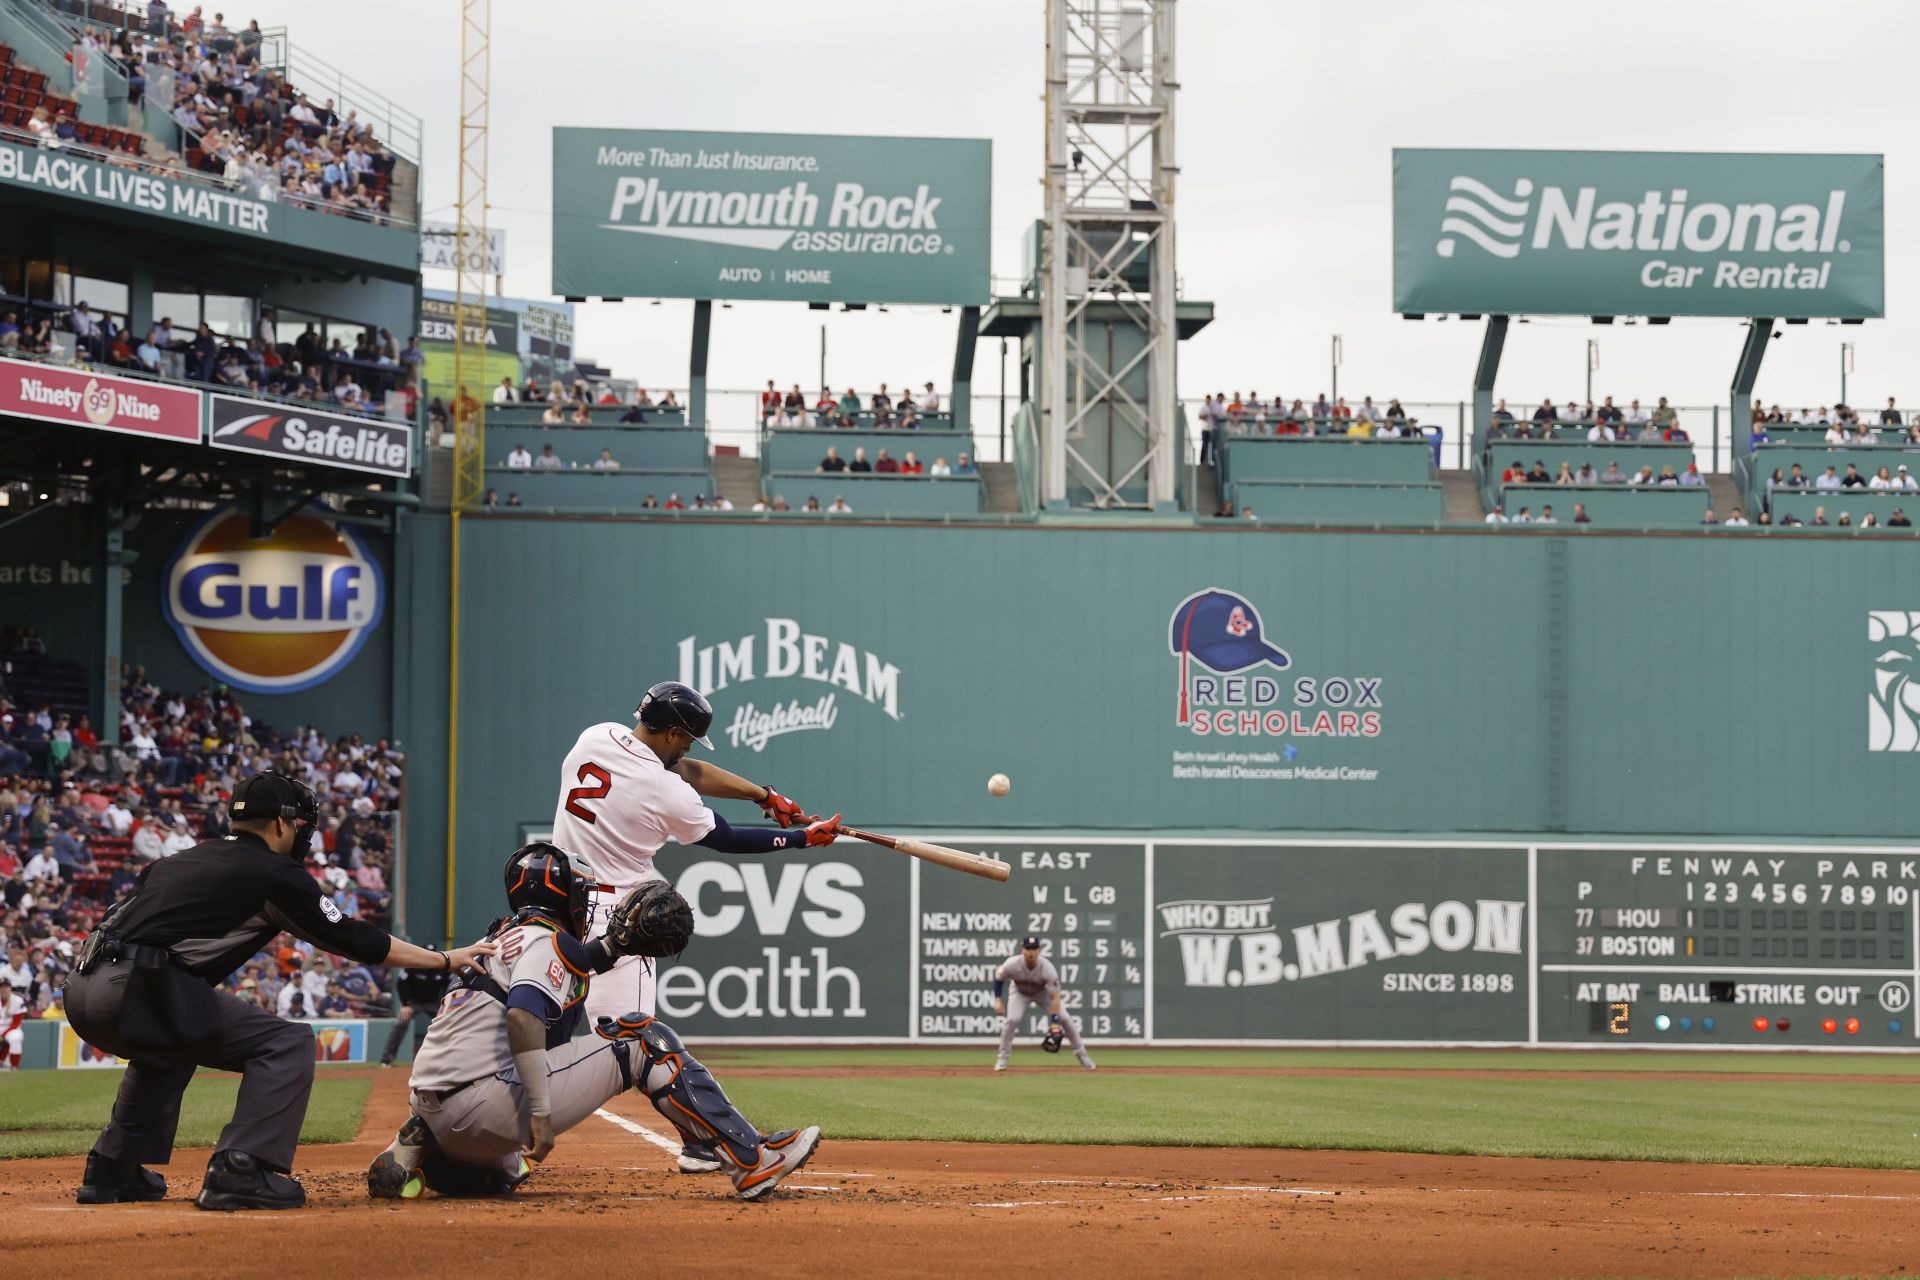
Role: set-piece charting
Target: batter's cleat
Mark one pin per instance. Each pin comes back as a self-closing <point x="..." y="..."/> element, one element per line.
<point x="236" y="1180"/>
<point x="699" y="1157"/>
<point x="110" y="1181"/>
<point x="780" y="1154"/>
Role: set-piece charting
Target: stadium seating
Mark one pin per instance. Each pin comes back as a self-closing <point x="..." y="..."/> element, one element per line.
<point x="1340" y="502"/>
<point x="1801" y="504"/>
<point x="800" y="449"/>
<point x="643" y="448"/>
<point x="528" y="414"/>
<point x="623" y="491"/>
<point x="1614" y="506"/>
<point x="871" y="494"/>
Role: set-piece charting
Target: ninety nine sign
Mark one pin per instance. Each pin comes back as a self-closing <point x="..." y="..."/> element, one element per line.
<point x="291" y="431"/>
<point x="765" y="215"/>
<point x="80" y="398"/>
<point x="1638" y="233"/>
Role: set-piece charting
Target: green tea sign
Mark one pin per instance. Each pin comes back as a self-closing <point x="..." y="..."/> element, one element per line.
<point x="1638" y="233"/>
<point x="673" y="214"/>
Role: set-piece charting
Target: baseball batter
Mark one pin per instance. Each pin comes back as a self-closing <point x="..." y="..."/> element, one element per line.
<point x="625" y="792"/>
<point x="1035" y="982"/>
<point x="500" y="1075"/>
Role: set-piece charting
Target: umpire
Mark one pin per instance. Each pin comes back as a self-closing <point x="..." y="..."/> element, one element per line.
<point x="417" y="994"/>
<point x="143" y="989"/>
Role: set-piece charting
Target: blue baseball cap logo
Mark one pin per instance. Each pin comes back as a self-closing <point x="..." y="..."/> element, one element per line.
<point x="1221" y="631"/>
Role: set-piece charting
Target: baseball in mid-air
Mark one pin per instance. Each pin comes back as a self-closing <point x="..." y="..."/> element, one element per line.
<point x="999" y="784"/>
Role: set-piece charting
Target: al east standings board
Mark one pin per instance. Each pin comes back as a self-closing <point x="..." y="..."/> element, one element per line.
<point x="673" y="214"/>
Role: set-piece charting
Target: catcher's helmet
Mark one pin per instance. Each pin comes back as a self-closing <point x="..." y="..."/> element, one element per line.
<point x="542" y="877"/>
<point x="672" y="705"/>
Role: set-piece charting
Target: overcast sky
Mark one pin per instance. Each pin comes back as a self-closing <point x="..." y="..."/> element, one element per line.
<point x="1288" y="116"/>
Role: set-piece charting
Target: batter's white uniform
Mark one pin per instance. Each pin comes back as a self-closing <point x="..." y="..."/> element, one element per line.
<point x="13" y="1017"/>
<point x="618" y="804"/>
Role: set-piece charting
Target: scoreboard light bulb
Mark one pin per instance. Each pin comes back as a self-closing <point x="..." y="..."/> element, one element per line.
<point x="1706" y="1024"/>
<point x="1829" y="1026"/>
<point x="1783" y="1024"/>
<point x="1661" y="1022"/>
<point x="1853" y="1026"/>
<point x="1760" y="1024"/>
<point x="1686" y="1024"/>
<point x="1894" y="1027"/>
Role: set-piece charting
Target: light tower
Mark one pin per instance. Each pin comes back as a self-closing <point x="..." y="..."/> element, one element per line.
<point x="1107" y="277"/>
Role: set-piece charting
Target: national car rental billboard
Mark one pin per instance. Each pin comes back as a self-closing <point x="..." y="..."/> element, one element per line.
<point x="1639" y="233"/>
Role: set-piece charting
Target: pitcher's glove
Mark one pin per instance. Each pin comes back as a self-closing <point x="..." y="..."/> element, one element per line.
<point x="652" y="920"/>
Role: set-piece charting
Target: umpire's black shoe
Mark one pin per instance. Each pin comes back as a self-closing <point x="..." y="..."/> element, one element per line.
<point x="236" y="1180"/>
<point x="110" y="1181"/>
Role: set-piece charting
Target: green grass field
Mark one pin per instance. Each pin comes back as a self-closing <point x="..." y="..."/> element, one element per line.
<point x="1756" y="1119"/>
<point x="58" y="1113"/>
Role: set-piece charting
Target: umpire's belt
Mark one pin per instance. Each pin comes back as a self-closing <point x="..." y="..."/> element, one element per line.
<point x="138" y="955"/>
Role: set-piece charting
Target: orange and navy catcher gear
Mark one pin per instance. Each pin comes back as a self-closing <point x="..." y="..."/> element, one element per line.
<point x="542" y="879"/>
<point x="681" y="1089"/>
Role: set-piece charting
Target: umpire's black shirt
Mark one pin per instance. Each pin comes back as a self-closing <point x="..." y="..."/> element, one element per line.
<point x="214" y="905"/>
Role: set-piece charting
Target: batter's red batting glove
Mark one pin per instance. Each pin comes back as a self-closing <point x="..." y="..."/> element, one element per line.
<point x="823" y="830"/>
<point x="782" y="810"/>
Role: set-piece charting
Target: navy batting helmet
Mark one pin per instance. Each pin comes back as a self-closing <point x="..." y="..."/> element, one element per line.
<point x="672" y="705"/>
<point x="541" y="877"/>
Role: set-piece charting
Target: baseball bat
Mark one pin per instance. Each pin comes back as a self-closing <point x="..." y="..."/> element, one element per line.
<point x="938" y="854"/>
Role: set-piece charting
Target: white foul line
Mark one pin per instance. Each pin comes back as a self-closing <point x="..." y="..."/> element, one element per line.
<point x="639" y="1130"/>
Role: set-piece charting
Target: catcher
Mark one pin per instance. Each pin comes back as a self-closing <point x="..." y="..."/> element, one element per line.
<point x="500" y="1075"/>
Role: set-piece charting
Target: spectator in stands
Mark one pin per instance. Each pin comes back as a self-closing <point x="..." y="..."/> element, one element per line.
<point x="1322" y="411"/>
<point x="1585" y="475"/>
<point x="1613" y="474"/>
<point x="813" y="504"/>
<point x="885" y="465"/>
<point x="1668" y="480"/>
<point x="637" y="411"/>
<point x="1898" y="520"/>
<point x="491" y="501"/>
<point x="1819" y="516"/>
<point x="911" y="466"/>
<point x="86" y="330"/>
<point x="1524" y="516"/>
<point x="1538" y="473"/>
<point x="1889" y="416"/>
<point x="520" y="458"/>
<point x="504" y="393"/>
<point x="1580" y="515"/>
<point x="882" y="405"/>
<point x="582" y="416"/>
<point x="548" y="460"/>
<point x="769" y="402"/>
<point x="1546" y="415"/>
<point x="1357" y="429"/>
<point x="833" y="461"/>
<point x="1691" y="477"/>
<point x="1496" y="516"/>
<point x="860" y="462"/>
<point x="555" y="414"/>
<point x="1795" y="479"/>
<point x="930" y="401"/>
<point x="1644" y="476"/>
<point x="1903" y="479"/>
<point x="674" y="503"/>
<point x="1845" y="521"/>
<point x="1736" y="519"/>
<point x="9" y="331"/>
<point x="1225" y="511"/>
<point x="1502" y="419"/>
<point x="1547" y="516"/>
<point x="1566" y="473"/>
<point x="1710" y="518"/>
<point x="826" y="410"/>
<point x="1828" y="481"/>
<point x="839" y="506"/>
<point x="1882" y="481"/>
<point x="1853" y="479"/>
<point x="1913" y="432"/>
<point x="1602" y="429"/>
<point x="940" y="468"/>
<point x="849" y="407"/>
<point x="721" y="502"/>
<point x="964" y="466"/>
<point x="606" y="461"/>
<point x="649" y="503"/>
<point x="513" y="500"/>
<point x="1867" y="521"/>
<point x="1664" y="415"/>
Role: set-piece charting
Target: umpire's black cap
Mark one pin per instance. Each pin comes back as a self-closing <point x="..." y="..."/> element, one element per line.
<point x="266" y="796"/>
<point x="672" y="705"/>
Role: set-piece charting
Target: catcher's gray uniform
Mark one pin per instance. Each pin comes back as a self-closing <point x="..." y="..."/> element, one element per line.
<point x="465" y="1085"/>
<point x="1029" y="987"/>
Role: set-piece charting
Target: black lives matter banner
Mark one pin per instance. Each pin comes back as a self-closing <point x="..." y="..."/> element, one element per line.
<point x="299" y="433"/>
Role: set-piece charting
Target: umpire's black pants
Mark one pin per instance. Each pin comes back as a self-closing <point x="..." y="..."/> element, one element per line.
<point x="273" y="1055"/>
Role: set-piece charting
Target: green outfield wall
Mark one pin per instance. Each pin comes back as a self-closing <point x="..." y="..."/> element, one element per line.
<point x="1672" y="686"/>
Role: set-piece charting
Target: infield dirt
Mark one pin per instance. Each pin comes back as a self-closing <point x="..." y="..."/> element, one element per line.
<point x="884" y="1208"/>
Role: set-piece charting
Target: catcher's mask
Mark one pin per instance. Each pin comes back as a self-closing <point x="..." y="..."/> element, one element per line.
<point x="542" y="876"/>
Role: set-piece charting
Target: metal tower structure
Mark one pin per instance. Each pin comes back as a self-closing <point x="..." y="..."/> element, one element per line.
<point x="470" y="394"/>
<point x="1109" y="409"/>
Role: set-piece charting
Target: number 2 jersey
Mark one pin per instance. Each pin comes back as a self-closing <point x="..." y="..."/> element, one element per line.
<point x="537" y="968"/>
<point x="619" y="804"/>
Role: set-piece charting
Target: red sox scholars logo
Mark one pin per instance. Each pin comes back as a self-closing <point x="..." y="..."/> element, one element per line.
<point x="1230" y="682"/>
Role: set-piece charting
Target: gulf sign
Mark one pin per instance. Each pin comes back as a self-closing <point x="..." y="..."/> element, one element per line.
<point x="80" y="398"/>
<point x="277" y="614"/>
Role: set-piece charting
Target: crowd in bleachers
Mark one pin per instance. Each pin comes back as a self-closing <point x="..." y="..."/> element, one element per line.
<point x="307" y="368"/>
<point x="80" y="817"/>
<point x="1840" y="425"/>
<point x="565" y="405"/>
<point x="1605" y="421"/>
<point x="882" y="409"/>
<point x="885" y="464"/>
<point x="1250" y="415"/>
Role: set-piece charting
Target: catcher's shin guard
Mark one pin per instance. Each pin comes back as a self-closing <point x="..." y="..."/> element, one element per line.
<point x="684" y="1091"/>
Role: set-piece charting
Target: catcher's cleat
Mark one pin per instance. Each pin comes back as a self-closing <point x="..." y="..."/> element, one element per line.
<point x="698" y="1157"/>
<point x="780" y="1154"/>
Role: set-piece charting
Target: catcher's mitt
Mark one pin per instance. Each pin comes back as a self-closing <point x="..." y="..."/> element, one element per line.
<point x="652" y="920"/>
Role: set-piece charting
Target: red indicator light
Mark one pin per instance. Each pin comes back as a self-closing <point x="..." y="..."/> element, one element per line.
<point x="1783" y="1024"/>
<point x="1759" y="1024"/>
<point x="1829" y="1026"/>
<point x="1853" y="1026"/>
